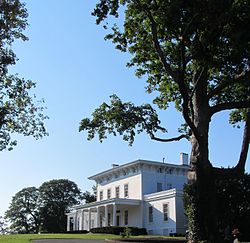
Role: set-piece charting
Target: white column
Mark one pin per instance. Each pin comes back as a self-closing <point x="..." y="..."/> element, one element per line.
<point x="141" y="214"/>
<point x="106" y="215"/>
<point x="82" y="219"/>
<point x="89" y="219"/>
<point x="114" y="215"/>
<point x="68" y="222"/>
<point x="75" y="221"/>
<point x="98" y="216"/>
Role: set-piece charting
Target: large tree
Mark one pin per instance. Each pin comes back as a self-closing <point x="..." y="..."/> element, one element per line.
<point x="56" y="198"/>
<point x="23" y="212"/>
<point x="20" y="112"/>
<point x="195" y="54"/>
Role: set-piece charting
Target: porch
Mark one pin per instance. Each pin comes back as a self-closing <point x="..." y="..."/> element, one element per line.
<point x="112" y="212"/>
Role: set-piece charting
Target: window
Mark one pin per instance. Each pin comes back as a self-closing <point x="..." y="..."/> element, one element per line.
<point x="126" y="217"/>
<point x="169" y="186"/>
<point x="117" y="192"/>
<point x="126" y="190"/>
<point x="71" y="223"/>
<point x="101" y="195"/>
<point x="109" y="219"/>
<point x="165" y="212"/>
<point x="159" y="170"/>
<point x="109" y="193"/>
<point x="150" y="214"/>
<point x="101" y="220"/>
<point x="159" y="186"/>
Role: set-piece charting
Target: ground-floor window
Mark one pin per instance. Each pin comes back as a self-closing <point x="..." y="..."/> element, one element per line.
<point x="150" y="214"/>
<point x="117" y="220"/>
<point x="126" y="217"/>
<point x="109" y="219"/>
<point x="165" y="211"/>
<point x="71" y="223"/>
<point x="101" y="219"/>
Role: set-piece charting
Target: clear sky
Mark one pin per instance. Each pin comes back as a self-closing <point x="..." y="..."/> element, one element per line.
<point x="75" y="71"/>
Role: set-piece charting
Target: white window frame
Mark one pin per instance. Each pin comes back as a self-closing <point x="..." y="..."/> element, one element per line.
<point x="117" y="192"/>
<point x="101" y="195"/>
<point x="126" y="190"/>
<point x="108" y="193"/>
<point x="165" y="211"/>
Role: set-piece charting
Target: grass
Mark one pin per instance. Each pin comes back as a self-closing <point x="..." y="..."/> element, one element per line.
<point x="26" y="238"/>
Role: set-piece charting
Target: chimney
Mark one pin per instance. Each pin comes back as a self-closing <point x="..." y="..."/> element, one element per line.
<point x="184" y="159"/>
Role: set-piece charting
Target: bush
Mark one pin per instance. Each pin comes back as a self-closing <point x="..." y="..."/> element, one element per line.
<point x="116" y="230"/>
<point x="77" y="232"/>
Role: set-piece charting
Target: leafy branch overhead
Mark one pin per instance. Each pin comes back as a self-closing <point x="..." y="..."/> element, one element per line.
<point x="20" y="112"/>
<point x="124" y="119"/>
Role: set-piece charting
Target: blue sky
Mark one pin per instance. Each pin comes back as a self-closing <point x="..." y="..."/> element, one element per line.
<point x="75" y="71"/>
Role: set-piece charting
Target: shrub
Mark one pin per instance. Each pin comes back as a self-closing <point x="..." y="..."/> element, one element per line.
<point x="116" y="230"/>
<point x="77" y="232"/>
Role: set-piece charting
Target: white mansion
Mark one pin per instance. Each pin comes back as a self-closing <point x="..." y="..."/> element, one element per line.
<point x="144" y="194"/>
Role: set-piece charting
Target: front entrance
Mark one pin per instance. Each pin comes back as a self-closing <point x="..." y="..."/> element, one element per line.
<point x="117" y="220"/>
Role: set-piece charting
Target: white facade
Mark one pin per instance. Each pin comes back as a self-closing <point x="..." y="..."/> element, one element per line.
<point x="144" y="194"/>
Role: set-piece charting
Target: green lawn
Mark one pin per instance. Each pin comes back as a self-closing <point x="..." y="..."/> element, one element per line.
<point x="26" y="238"/>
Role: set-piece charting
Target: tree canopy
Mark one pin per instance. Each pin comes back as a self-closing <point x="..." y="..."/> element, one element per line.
<point x="56" y="197"/>
<point x="23" y="212"/>
<point x="33" y="210"/>
<point x="194" y="54"/>
<point x="20" y="112"/>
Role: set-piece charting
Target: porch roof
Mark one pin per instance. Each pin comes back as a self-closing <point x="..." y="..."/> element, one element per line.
<point x="117" y="201"/>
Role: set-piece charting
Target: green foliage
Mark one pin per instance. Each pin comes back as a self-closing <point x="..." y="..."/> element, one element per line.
<point x="233" y="209"/>
<point x="88" y="197"/>
<point x="123" y="118"/>
<point x="56" y="197"/>
<point x="126" y="233"/>
<point x="23" y="212"/>
<point x="117" y="230"/>
<point x="33" y="210"/>
<point x="20" y="112"/>
<point x="189" y="201"/>
<point x="193" y="53"/>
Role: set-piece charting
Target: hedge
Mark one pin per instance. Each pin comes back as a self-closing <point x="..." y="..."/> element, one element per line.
<point x="116" y="230"/>
<point x="77" y="232"/>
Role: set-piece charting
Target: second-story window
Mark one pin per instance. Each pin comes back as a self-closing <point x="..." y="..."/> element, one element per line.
<point x="169" y="186"/>
<point x="101" y="195"/>
<point x="109" y="193"/>
<point x="159" y="186"/>
<point x="117" y="192"/>
<point x="126" y="190"/>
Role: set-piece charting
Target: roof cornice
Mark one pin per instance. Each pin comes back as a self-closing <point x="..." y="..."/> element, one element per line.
<point x="135" y="164"/>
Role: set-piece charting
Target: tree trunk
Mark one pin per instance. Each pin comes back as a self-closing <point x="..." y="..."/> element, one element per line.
<point x="201" y="192"/>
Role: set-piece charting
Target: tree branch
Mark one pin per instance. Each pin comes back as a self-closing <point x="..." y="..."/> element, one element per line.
<point x="228" y="106"/>
<point x="156" y="43"/>
<point x="153" y="137"/>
